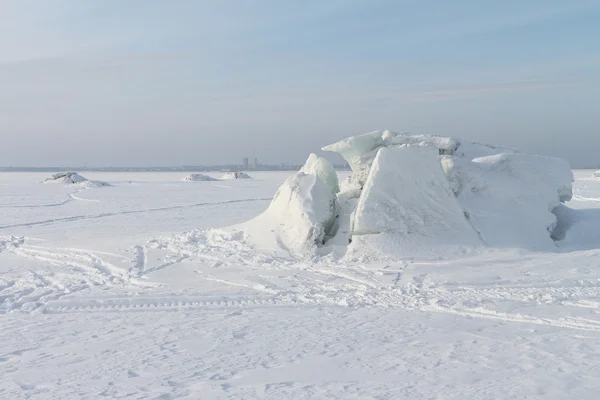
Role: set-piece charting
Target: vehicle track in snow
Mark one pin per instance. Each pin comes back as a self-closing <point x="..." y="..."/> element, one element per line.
<point x="58" y="272"/>
<point x="70" y="197"/>
<point x="409" y="298"/>
<point x="163" y="303"/>
<point x="286" y="283"/>
<point x="130" y="212"/>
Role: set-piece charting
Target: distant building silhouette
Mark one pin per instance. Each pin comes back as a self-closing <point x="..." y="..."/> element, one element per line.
<point x="245" y="163"/>
<point x="255" y="164"/>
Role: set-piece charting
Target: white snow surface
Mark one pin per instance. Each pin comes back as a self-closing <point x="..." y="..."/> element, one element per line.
<point x="597" y="174"/>
<point x="301" y="214"/>
<point x="407" y="206"/>
<point x="236" y="175"/>
<point x="131" y="292"/>
<point x="197" y="178"/>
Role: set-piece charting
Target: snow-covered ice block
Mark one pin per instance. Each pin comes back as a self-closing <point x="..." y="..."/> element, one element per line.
<point x="322" y="168"/>
<point x="198" y="178"/>
<point x="510" y="197"/>
<point x="407" y="199"/>
<point x="236" y="175"/>
<point x="359" y="152"/>
<point x="354" y="147"/>
<point x="300" y="217"/>
<point x="444" y="145"/>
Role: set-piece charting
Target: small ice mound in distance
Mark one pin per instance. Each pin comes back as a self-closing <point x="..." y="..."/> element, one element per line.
<point x="416" y="196"/>
<point x="198" y="178"/>
<point x="596" y="174"/>
<point x="235" y="175"/>
<point x="301" y="217"/>
<point x="73" y="178"/>
<point x="66" y="178"/>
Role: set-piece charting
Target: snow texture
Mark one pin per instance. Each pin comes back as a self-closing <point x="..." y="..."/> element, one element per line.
<point x="197" y="178"/>
<point x="300" y="217"/>
<point x="322" y="168"/>
<point x="235" y="175"/>
<point x="597" y="174"/>
<point x="134" y="293"/>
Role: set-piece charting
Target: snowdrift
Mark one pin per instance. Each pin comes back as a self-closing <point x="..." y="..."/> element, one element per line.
<point x="597" y="174"/>
<point x="236" y="175"/>
<point x="73" y="178"/>
<point x="412" y="195"/>
<point x="198" y="178"/>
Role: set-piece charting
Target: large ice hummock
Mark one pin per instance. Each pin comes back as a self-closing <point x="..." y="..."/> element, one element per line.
<point x="410" y="194"/>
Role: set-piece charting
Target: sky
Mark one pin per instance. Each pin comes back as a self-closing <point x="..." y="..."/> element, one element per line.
<point x="191" y="82"/>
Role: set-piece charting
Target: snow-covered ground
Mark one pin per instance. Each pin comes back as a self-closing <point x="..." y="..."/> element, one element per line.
<point x="124" y="291"/>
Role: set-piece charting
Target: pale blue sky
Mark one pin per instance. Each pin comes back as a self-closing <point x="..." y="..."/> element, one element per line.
<point x="148" y="82"/>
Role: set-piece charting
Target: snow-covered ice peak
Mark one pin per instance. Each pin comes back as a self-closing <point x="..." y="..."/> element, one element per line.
<point x="322" y="168"/>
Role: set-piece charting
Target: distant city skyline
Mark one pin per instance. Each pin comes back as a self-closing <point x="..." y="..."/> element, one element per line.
<point x="205" y="82"/>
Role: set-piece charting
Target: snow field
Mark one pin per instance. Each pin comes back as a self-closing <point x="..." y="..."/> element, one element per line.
<point x="151" y="300"/>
